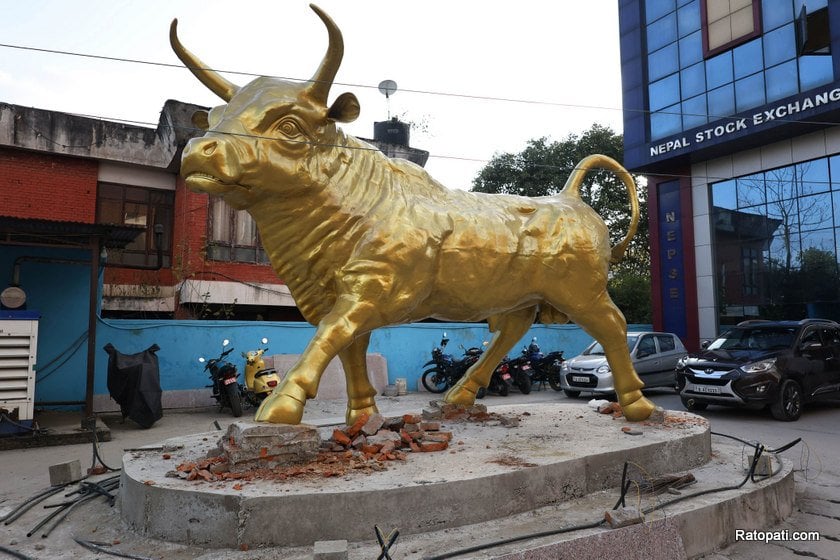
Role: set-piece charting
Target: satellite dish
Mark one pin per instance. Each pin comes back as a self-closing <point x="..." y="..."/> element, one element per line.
<point x="387" y="88"/>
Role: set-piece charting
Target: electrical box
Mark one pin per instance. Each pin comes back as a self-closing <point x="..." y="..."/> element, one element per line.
<point x="18" y="348"/>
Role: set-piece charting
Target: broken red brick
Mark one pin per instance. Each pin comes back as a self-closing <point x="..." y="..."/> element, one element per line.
<point x="431" y="446"/>
<point x="357" y="425"/>
<point x="412" y="418"/>
<point x="340" y="437"/>
<point x="430" y="426"/>
<point x="438" y="436"/>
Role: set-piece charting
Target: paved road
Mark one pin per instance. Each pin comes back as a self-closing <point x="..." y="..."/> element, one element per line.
<point x="817" y="463"/>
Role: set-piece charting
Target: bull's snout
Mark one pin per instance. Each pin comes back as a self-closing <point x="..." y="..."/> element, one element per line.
<point x="211" y="156"/>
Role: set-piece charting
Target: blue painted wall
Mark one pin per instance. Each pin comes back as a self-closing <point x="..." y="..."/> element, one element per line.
<point x="60" y="293"/>
<point x="406" y="347"/>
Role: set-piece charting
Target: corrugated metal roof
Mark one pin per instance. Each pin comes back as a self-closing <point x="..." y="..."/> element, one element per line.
<point x="52" y="232"/>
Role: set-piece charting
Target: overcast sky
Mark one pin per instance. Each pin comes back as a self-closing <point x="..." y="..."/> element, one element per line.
<point x="483" y="77"/>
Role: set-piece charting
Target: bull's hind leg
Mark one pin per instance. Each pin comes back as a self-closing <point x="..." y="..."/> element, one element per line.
<point x="360" y="392"/>
<point x="602" y="319"/>
<point x="508" y="329"/>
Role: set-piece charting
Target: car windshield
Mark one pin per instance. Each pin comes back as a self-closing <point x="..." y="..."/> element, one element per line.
<point x="596" y="349"/>
<point x="755" y="338"/>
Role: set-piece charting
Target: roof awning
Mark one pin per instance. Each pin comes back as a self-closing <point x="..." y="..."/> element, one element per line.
<point x="76" y="234"/>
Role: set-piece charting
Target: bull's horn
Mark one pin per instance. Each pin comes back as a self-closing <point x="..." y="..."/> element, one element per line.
<point x="323" y="78"/>
<point x="209" y="78"/>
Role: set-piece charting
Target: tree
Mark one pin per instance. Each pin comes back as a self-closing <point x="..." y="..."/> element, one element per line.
<point x="542" y="169"/>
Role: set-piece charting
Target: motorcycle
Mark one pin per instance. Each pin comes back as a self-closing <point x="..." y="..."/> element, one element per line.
<point x="520" y="371"/>
<point x="259" y="380"/>
<point x="545" y="368"/>
<point x="223" y="374"/>
<point x="447" y="370"/>
<point x="500" y="381"/>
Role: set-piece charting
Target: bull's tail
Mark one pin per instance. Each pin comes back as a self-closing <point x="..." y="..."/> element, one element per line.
<point x="599" y="161"/>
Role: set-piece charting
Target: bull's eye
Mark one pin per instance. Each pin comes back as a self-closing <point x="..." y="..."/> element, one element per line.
<point x="288" y="128"/>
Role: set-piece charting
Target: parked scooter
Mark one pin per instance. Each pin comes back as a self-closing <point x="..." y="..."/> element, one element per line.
<point x="500" y="381"/>
<point x="260" y="381"/>
<point x="447" y="370"/>
<point x="223" y="374"/>
<point x="545" y="368"/>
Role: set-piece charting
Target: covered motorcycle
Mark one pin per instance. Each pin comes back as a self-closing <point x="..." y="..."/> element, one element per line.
<point x="134" y="382"/>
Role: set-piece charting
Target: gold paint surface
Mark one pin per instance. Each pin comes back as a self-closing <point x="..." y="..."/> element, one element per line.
<point x="364" y="241"/>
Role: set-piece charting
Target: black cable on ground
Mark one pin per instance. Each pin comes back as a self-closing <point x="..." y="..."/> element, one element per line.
<point x="96" y="547"/>
<point x="14" y="553"/>
<point x="96" y="455"/>
<point x="31" y="502"/>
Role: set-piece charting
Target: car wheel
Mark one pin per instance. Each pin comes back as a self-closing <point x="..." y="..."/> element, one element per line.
<point x="788" y="405"/>
<point x="693" y="405"/>
<point x="571" y="394"/>
<point x="482" y="392"/>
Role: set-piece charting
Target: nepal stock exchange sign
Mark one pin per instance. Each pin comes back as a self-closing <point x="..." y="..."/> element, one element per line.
<point x="784" y="111"/>
<point x="672" y="271"/>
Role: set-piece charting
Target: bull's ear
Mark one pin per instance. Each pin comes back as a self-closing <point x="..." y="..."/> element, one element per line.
<point x="345" y="109"/>
<point x="201" y="120"/>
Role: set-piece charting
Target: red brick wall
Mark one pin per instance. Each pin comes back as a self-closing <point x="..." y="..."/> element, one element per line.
<point x="48" y="187"/>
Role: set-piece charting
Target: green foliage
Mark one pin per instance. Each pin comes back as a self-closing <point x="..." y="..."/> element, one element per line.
<point x="631" y="293"/>
<point x="542" y="169"/>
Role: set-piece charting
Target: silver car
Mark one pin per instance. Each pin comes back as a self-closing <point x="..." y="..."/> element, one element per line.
<point x="654" y="356"/>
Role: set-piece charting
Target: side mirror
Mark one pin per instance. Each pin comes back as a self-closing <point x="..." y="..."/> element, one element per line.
<point x="705" y="344"/>
<point x="264" y="340"/>
<point x="202" y="360"/>
<point x="225" y="342"/>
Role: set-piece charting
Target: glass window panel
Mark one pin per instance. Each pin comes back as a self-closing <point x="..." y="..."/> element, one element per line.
<point x="691" y="49"/>
<point x="815" y="71"/>
<point x="683" y="2"/>
<point x="749" y="92"/>
<point x="722" y="102"/>
<point x="815" y="212"/>
<point x="664" y="92"/>
<point x="748" y="58"/>
<point x="110" y="212"/>
<point x="219" y="221"/>
<point x="779" y="45"/>
<point x="665" y="122"/>
<point x="719" y="70"/>
<point x="107" y="190"/>
<point x="662" y="32"/>
<point x="688" y="18"/>
<point x="784" y="250"/>
<point x="723" y="194"/>
<point x="812" y="176"/>
<point x="136" y="194"/>
<point x="693" y="80"/>
<point x="819" y="241"/>
<point x="834" y="167"/>
<point x="813" y="5"/>
<point x="775" y="13"/>
<point x="751" y="190"/>
<point x="780" y="184"/>
<point x="742" y="22"/>
<point x="135" y="214"/>
<point x="781" y="81"/>
<point x="663" y="62"/>
<point x="246" y="229"/>
<point x="694" y="112"/>
<point x="655" y="9"/>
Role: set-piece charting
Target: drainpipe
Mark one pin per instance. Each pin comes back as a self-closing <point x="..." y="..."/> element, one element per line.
<point x="95" y="248"/>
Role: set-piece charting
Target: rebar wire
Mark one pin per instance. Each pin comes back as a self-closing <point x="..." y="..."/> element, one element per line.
<point x="97" y="547"/>
<point x="14" y="553"/>
<point x="31" y="502"/>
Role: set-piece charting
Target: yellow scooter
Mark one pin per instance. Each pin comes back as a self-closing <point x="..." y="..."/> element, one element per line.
<point x="259" y="380"/>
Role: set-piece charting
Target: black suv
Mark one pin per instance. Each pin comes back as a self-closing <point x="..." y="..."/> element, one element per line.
<point x="758" y="363"/>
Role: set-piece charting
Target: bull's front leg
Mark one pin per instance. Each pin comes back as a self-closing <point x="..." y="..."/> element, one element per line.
<point x="336" y="332"/>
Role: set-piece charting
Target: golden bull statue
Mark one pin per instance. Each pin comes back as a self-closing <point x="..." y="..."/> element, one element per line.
<point x="364" y="241"/>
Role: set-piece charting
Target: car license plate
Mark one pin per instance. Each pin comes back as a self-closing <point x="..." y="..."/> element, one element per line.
<point x="229" y="380"/>
<point x="579" y="379"/>
<point x="526" y="367"/>
<point x="505" y="376"/>
<point x="704" y="389"/>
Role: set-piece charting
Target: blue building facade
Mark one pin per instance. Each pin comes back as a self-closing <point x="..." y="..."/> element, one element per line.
<point x="731" y="110"/>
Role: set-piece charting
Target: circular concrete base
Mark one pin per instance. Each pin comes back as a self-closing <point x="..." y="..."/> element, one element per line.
<point x="558" y="452"/>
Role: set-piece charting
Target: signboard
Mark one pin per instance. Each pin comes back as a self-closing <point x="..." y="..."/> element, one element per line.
<point x="672" y="271"/>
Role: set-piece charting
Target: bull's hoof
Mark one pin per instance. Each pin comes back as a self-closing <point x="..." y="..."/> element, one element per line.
<point x="636" y="410"/>
<point x="461" y="393"/>
<point x="278" y="408"/>
<point x="359" y="408"/>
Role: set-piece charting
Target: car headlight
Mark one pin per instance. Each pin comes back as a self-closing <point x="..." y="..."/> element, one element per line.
<point x="564" y="367"/>
<point x="603" y="369"/>
<point x="759" y="367"/>
<point x="681" y="362"/>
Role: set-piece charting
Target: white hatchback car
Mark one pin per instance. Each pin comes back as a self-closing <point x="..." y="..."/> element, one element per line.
<point x="654" y="356"/>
